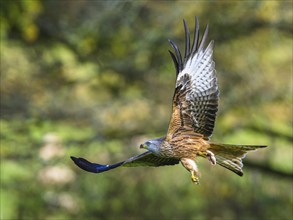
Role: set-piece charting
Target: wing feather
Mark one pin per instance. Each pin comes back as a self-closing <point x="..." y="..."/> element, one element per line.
<point x="187" y="41"/>
<point x="145" y="159"/>
<point x="195" y="101"/>
<point x="149" y="159"/>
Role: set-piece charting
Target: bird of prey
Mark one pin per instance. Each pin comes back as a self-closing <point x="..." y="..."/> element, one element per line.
<point x="194" y="109"/>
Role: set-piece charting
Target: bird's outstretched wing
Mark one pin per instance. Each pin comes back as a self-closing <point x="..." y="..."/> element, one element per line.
<point x="195" y="101"/>
<point x="145" y="159"/>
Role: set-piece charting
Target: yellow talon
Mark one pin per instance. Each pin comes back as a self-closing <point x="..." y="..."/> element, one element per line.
<point x="194" y="179"/>
<point x="203" y="154"/>
<point x="208" y="154"/>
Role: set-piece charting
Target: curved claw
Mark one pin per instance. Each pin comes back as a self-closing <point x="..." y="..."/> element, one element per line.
<point x="93" y="167"/>
<point x="195" y="179"/>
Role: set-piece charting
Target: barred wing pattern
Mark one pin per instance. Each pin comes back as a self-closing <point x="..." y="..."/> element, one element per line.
<point x="195" y="101"/>
<point x="149" y="159"/>
<point x="145" y="159"/>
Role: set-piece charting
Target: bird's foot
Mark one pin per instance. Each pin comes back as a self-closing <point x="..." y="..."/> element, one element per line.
<point x="211" y="157"/>
<point x="194" y="178"/>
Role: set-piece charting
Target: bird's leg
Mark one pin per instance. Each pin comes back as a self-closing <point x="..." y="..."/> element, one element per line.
<point x="191" y="166"/>
<point x="210" y="155"/>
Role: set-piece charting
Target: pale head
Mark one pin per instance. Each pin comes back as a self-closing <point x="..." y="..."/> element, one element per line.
<point x="153" y="145"/>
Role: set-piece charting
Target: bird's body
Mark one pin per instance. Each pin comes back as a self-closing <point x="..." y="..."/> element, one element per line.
<point x="184" y="148"/>
<point x="180" y="147"/>
<point x="194" y="109"/>
<point x="192" y="148"/>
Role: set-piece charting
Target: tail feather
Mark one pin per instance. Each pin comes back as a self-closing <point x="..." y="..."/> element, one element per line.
<point x="230" y="156"/>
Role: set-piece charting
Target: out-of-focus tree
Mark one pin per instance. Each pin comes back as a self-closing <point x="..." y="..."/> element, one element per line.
<point x="94" y="78"/>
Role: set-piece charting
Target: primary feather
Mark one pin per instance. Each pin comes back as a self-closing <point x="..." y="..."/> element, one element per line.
<point x="145" y="159"/>
<point x="195" y="101"/>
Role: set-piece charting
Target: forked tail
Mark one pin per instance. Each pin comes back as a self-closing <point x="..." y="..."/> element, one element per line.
<point x="230" y="156"/>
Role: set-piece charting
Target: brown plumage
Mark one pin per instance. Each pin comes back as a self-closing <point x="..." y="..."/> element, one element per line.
<point x="194" y="109"/>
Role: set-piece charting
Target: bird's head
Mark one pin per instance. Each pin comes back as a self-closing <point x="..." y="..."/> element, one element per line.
<point x="153" y="145"/>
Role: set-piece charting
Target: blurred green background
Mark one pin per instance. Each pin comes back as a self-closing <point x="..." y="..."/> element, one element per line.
<point x="94" y="79"/>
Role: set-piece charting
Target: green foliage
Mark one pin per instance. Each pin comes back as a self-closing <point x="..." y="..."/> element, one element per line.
<point x="94" y="79"/>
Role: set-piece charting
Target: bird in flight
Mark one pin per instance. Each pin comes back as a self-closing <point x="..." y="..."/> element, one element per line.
<point x="194" y="109"/>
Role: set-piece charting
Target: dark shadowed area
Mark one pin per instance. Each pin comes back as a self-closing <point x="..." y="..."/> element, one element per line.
<point x="94" y="79"/>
